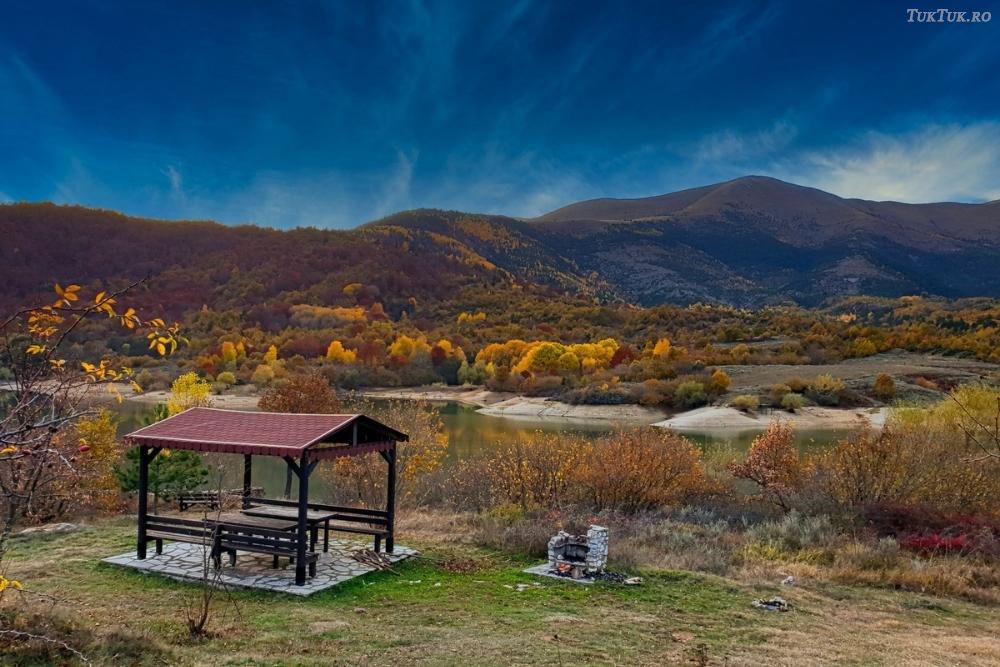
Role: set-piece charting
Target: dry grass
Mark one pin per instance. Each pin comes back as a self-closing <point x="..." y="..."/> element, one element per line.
<point x="473" y="618"/>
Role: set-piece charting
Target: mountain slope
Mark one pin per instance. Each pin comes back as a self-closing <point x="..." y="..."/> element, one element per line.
<point x="747" y="242"/>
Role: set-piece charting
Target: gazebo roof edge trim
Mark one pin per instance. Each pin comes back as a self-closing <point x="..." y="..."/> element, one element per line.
<point x="158" y="436"/>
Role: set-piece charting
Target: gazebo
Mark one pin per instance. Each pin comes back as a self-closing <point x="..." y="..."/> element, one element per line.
<point x="270" y="526"/>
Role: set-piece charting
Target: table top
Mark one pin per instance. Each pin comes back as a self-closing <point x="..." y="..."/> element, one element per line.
<point x="241" y="519"/>
<point x="283" y="512"/>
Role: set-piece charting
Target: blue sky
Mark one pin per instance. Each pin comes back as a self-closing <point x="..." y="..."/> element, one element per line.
<point x="335" y="113"/>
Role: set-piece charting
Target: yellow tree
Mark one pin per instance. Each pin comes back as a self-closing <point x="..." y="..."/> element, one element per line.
<point x="189" y="391"/>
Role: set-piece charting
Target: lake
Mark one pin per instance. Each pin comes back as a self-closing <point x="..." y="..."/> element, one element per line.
<point x="470" y="432"/>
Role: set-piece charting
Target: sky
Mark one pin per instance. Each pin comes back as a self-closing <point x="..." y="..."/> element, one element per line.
<point x="332" y="114"/>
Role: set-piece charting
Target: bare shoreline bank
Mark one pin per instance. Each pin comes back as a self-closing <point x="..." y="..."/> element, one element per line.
<point x="508" y="405"/>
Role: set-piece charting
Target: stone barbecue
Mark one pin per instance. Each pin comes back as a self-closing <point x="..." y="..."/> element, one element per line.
<point x="579" y="556"/>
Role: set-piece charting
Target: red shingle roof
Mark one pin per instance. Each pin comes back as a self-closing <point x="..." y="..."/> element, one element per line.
<point x="263" y="433"/>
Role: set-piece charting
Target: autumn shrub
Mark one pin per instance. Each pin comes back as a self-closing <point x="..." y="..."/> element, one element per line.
<point x="884" y="387"/>
<point x="690" y="394"/>
<point x="792" y="402"/>
<point x="825" y="389"/>
<point x="362" y="479"/>
<point x="640" y="469"/>
<point x="797" y="385"/>
<point x="227" y="378"/>
<point x="774" y="465"/>
<point x="536" y="470"/>
<point x="745" y="403"/>
<point x="778" y="391"/>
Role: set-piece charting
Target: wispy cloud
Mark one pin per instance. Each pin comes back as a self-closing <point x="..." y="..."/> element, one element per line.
<point x="931" y="163"/>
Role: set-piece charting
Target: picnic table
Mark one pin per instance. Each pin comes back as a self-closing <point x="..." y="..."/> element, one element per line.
<point x="280" y="513"/>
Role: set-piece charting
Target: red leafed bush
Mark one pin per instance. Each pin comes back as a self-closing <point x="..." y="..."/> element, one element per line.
<point x="936" y="543"/>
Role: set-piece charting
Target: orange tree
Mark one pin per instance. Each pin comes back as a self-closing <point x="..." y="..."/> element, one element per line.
<point x="48" y="393"/>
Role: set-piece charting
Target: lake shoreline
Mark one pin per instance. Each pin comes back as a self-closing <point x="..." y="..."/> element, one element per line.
<point x="508" y="405"/>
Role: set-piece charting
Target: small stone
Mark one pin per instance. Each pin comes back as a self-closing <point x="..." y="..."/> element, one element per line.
<point x="788" y="581"/>
<point x="360" y="610"/>
<point x="682" y="637"/>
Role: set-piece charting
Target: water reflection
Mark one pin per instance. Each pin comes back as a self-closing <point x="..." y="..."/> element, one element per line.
<point x="470" y="433"/>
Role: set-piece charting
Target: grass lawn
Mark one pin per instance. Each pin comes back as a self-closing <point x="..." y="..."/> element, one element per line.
<point x="462" y="609"/>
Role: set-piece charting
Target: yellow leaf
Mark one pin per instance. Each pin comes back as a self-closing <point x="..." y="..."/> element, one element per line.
<point x="162" y="349"/>
<point x="99" y="297"/>
<point x="7" y="450"/>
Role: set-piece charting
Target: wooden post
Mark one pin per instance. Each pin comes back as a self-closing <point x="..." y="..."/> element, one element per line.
<point x="288" y="479"/>
<point x="303" y="528"/>
<point x="390" y="500"/>
<point x="146" y="455"/>
<point x="247" y="480"/>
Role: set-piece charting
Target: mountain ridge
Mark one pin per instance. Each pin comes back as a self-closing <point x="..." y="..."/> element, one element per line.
<point x="750" y="241"/>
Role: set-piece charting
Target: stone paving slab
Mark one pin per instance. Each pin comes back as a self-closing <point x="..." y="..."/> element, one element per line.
<point x="544" y="571"/>
<point x="186" y="562"/>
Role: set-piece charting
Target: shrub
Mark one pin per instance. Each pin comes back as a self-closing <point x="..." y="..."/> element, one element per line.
<point x="640" y="469"/>
<point x="226" y="378"/>
<point x="719" y="382"/>
<point x="825" y="389"/>
<point x="745" y="403"/>
<point x="773" y="465"/>
<point x="690" y="394"/>
<point x="792" y="402"/>
<point x="778" y="391"/>
<point x="797" y="384"/>
<point x="795" y="532"/>
<point x="262" y="376"/>
<point x="911" y="464"/>
<point x="884" y="387"/>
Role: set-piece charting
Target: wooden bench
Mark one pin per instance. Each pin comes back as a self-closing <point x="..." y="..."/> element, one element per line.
<point x="276" y="543"/>
<point x="355" y="520"/>
<point x="172" y="528"/>
<point x="211" y="498"/>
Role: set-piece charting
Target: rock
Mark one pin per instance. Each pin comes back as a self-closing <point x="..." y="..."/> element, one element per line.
<point x="49" y="528"/>
<point x="771" y="604"/>
<point x="682" y="637"/>
<point x="788" y="581"/>
<point x="633" y="581"/>
<point x="360" y="610"/>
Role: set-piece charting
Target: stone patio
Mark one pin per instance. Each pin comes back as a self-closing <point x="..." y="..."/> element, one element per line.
<point x="185" y="562"/>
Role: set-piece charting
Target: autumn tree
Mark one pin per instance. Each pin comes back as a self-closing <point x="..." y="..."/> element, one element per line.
<point x="49" y="392"/>
<point x="189" y="391"/>
<point x="773" y="464"/>
<point x="309" y="394"/>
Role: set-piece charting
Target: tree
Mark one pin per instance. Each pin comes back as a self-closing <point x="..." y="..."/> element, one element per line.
<point x="310" y="394"/>
<point x="49" y="393"/>
<point x="690" y="394"/>
<point x="336" y="353"/>
<point x="262" y="376"/>
<point x="719" y="382"/>
<point x="229" y="356"/>
<point x="773" y="465"/>
<point x="301" y="393"/>
<point x="189" y="391"/>
<point x="172" y="472"/>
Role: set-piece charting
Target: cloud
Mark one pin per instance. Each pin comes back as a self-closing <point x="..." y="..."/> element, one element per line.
<point x="732" y="147"/>
<point x="932" y="163"/>
<point x="176" y="180"/>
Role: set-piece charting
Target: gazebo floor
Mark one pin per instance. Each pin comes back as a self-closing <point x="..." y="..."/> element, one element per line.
<point x="185" y="562"/>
